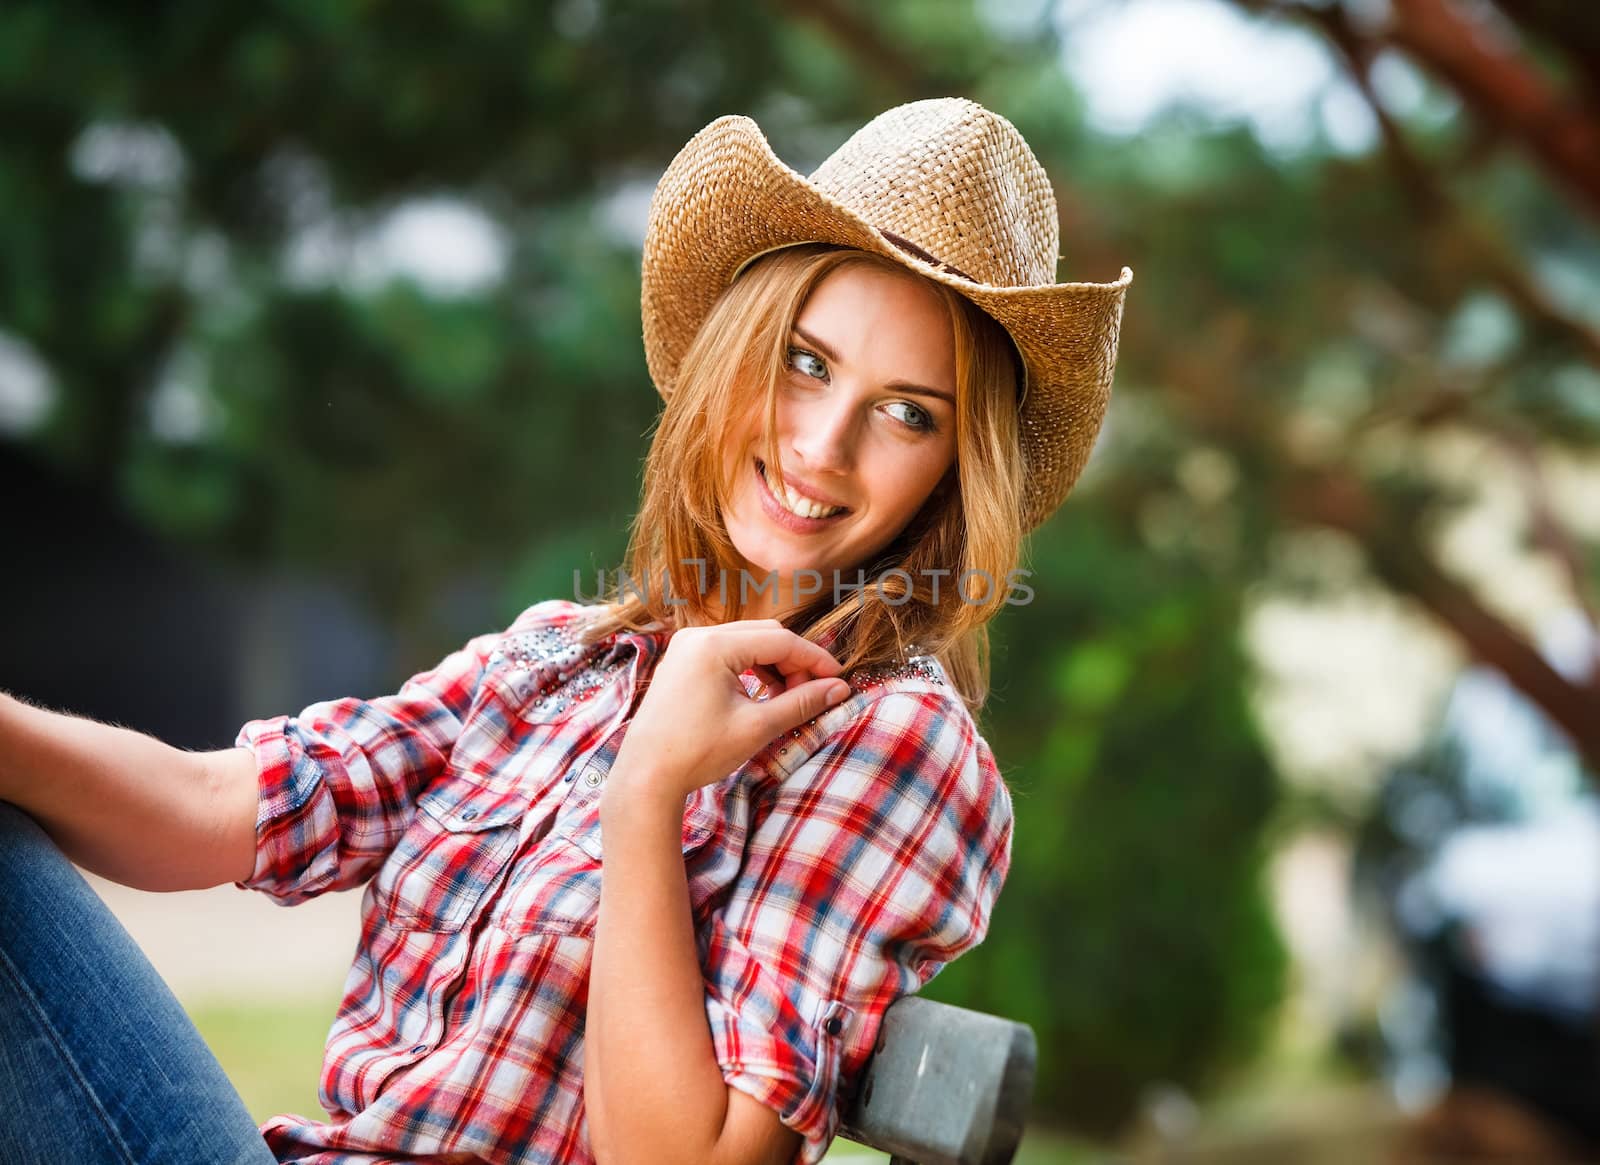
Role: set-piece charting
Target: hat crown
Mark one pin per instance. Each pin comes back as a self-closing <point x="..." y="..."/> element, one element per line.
<point x="944" y="188"/>
<point x="956" y="181"/>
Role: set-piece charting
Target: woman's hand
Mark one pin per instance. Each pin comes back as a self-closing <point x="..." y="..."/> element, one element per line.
<point x="696" y="723"/>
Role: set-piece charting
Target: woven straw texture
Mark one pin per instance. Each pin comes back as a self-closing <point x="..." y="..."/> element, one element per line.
<point x="950" y="178"/>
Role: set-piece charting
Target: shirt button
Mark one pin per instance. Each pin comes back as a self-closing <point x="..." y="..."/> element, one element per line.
<point x="469" y="814"/>
<point x="592" y="778"/>
<point x="419" y="1049"/>
<point x="834" y="1026"/>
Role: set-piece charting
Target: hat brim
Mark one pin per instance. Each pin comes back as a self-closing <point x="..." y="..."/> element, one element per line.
<point x="727" y="199"/>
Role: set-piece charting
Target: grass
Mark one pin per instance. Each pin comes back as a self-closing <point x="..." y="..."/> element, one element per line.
<point x="272" y="1053"/>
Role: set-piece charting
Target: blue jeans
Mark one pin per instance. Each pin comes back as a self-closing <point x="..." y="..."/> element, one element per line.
<point x="98" y="1062"/>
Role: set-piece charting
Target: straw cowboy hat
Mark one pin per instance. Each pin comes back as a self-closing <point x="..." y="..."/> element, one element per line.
<point x="944" y="187"/>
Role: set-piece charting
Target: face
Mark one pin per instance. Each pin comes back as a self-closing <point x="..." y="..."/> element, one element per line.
<point x="866" y="424"/>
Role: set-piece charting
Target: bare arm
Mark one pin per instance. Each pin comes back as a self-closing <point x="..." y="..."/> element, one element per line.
<point x="127" y="806"/>
<point x="652" y="1085"/>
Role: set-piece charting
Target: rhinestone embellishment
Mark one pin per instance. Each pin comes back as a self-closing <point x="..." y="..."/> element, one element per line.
<point x="544" y="647"/>
<point x="915" y="667"/>
<point x="580" y="671"/>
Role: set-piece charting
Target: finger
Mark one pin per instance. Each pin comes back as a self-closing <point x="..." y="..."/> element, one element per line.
<point x="774" y="681"/>
<point x="789" y="670"/>
<point x="780" y="648"/>
<point x="771" y="678"/>
<point x="796" y="678"/>
<point x="803" y="703"/>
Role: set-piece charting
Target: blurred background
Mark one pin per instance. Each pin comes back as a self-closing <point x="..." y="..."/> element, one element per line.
<point x="319" y="354"/>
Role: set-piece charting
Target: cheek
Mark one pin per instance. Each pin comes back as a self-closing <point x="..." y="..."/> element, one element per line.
<point x="906" y="484"/>
<point x="746" y="435"/>
<point x="930" y="467"/>
<point x="742" y="442"/>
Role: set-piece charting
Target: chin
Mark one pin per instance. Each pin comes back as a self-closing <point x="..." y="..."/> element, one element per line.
<point x="765" y="561"/>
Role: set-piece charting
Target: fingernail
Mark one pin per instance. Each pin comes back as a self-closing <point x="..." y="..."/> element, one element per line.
<point x="837" y="692"/>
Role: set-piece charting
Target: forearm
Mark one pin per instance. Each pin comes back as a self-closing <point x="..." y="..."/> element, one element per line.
<point x="652" y="1086"/>
<point x="127" y="806"/>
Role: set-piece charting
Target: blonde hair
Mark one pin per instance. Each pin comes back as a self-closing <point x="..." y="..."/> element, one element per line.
<point x="971" y="521"/>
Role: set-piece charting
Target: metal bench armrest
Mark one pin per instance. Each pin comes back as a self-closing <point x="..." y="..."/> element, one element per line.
<point x="946" y="1086"/>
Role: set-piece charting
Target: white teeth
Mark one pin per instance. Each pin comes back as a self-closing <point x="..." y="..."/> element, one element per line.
<point x="809" y="509"/>
<point x="797" y="505"/>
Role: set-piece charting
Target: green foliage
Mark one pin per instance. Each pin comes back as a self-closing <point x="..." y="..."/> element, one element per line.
<point x="1134" y="934"/>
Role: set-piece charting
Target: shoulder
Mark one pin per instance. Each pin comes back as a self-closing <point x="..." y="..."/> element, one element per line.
<point x="903" y="733"/>
<point x="551" y="632"/>
<point x="898" y="782"/>
<point x="912" y="700"/>
<point x="554" y="614"/>
<point x="544" y="646"/>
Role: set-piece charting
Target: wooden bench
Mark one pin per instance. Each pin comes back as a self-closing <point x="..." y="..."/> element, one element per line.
<point x="945" y="1086"/>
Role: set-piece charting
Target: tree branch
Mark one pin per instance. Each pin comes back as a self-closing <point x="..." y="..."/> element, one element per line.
<point x="1504" y="90"/>
<point x="1338" y="499"/>
<point x="1433" y="201"/>
<point x="1551" y="22"/>
<point x="875" y="54"/>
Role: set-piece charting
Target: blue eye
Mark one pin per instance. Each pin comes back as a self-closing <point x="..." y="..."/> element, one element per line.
<point x="816" y="369"/>
<point x="919" y="418"/>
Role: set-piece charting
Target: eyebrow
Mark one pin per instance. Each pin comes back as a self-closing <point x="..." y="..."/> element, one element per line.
<point x="897" y="385"/>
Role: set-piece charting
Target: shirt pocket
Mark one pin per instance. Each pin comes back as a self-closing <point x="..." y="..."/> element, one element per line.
<point x="580" y="820"/>
<point x="557" y="891"/>
<point x="456" y="848"/>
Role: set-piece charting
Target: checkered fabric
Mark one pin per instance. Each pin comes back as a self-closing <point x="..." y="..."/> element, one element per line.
<point x="837" y="870"/>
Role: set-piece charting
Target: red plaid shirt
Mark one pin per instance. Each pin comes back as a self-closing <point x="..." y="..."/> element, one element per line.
<point x="837" y="870"/>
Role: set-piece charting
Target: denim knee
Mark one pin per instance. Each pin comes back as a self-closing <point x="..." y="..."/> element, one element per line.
<point x="25" y="848"/>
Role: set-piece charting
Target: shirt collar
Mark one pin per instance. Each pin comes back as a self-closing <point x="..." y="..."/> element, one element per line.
<point x="648" y="644"/>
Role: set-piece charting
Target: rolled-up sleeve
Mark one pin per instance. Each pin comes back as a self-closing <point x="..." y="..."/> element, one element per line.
<point x="879" y="862"/>
<point x="338" y="783"/>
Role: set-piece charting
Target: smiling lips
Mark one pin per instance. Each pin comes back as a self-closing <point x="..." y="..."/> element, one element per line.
<point x="802" y="513"/>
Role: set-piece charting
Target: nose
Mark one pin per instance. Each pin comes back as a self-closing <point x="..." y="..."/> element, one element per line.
<point x="823" y="435"/>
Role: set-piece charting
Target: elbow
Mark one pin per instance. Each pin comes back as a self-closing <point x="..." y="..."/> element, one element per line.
<point x="664" y="1149"/>
<point x="666" y="1145"/>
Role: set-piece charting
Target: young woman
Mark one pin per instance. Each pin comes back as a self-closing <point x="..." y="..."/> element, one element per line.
<point x="763" y="741"/>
